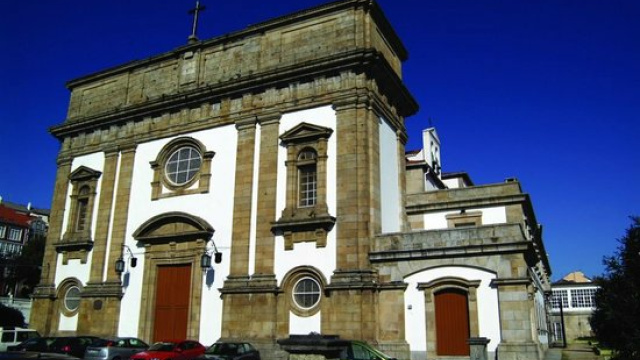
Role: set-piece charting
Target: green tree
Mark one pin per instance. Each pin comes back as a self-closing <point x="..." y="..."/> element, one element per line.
<point x="10" y="316"/>
<point x="616" y="320"/>
<point x="29" y="263"/>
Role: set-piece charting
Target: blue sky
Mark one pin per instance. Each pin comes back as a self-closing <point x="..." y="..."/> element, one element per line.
<point x="547" y="91"/>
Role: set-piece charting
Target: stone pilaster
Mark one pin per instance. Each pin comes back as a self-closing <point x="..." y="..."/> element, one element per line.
<point x="245" y="154"/>
<point x="391" y="333"/>
<point x="44" y="312"/>
<point x="267" y="190"/>
<point x="100" y="305"/>
<point x="358" y="211"/>
<point x="105" y="203"/>
<point x="121" y="213"/>
<point x="515" y="323"/>
<point x="100" y="301"/>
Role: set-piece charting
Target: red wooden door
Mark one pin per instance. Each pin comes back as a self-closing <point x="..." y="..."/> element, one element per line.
<point x="172" y="302"/>
<point x="452" y="323"/>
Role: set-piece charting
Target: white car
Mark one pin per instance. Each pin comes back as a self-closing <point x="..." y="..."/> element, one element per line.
<point x="10" y="335"/>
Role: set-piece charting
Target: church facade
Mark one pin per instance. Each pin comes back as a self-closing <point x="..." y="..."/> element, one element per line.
<point x="256" y="185"/>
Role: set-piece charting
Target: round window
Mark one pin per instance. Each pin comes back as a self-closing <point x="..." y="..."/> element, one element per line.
<point x="306" y="293"/>
<point x="72" y="298"/>
<point x="183" y="165"/>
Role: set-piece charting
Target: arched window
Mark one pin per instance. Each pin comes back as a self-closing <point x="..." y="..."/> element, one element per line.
<point x="306" y="217"/>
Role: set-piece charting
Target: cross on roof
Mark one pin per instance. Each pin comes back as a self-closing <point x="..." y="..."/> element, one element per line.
<point x="195" y="12"/>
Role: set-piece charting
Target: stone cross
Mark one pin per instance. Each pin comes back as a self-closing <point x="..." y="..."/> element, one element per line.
<point x="195" y="12"/>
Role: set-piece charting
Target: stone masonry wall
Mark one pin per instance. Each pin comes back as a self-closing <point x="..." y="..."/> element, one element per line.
<point x="250" y="54"/>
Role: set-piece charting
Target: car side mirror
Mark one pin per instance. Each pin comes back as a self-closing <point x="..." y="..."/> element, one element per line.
<point x="179" y="350"/>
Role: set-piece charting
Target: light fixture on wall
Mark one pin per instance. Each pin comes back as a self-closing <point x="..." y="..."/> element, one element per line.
<point x="120" y="263"/>
<point x="205" y="259"/>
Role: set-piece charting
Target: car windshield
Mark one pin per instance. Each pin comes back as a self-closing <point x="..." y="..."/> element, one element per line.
<point x="223" y="349"/>
<point x="162" y="346"/>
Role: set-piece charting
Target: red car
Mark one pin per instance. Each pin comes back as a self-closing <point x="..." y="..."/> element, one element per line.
<point x="171" y="350"/>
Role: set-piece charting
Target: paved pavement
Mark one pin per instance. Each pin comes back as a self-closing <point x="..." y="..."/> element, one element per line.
<point x="572" y="352"/>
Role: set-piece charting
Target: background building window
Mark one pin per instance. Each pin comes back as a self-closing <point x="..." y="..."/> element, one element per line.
<point x="559" y="295"/>
<point x="306" y="293"/>
<point x="583" y="298"/>
<point x="3" y="230"/>
<point x="15" y="234"/>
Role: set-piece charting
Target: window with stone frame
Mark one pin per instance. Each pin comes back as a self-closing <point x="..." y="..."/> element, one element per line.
<point x="182" y="167"/>
<point x="307" y="178"/>
<point x="306" y="216"/>
<point x="69" y="294"/>
<point x="84" y="183"/>
<point x="304" y="286"/>
<point x="3" y="231"/>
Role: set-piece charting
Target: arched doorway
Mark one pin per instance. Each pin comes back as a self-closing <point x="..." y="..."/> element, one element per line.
<point x="452" y="322"/>
<point x="172" y="284"/>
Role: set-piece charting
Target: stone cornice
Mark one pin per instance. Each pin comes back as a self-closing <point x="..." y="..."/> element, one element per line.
<point x="478" y="241"/>
<point x="356" y="61"/>
<point x="257" y="30"/>
<point x="449" y="253"/>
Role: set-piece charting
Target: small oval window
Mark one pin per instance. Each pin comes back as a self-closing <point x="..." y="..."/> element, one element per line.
<point x="72" y="298"/>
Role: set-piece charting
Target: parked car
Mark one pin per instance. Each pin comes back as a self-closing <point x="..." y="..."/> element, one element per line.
<point x="174" y="350"/>
<point x="231" y="351"/>
<point x="10" y="335"/>
<point x="40" y="344"/>
<point x="359" y="350"/>
<point x="19" y="355"/>
<point x="72" y="345"/>
<point x="118" y="348"/>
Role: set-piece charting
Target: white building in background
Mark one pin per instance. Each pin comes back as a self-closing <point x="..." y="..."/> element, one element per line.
<point x="572" y="304"/>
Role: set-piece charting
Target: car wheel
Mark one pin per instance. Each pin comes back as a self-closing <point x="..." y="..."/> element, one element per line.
<point x="117" y="358"/>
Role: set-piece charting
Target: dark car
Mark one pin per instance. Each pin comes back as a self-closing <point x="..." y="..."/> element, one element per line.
<point x="18" y="355"/>
<point x="231" y="351"/>
<point x="118" y="348"/>
<point x="72" y="345"/>
<point x="174" y="350"/>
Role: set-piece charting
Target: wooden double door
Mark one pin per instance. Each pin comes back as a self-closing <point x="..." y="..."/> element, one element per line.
<point x="173" y="292"/>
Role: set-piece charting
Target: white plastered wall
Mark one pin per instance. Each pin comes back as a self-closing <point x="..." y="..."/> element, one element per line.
<point x="74" y="268"/>
<point x="490" y="216"/>
<point x="215" y="207"/>
<point x="487" y="300"/>
<point x="307" y="254"/>
<point x="390" y="211"/>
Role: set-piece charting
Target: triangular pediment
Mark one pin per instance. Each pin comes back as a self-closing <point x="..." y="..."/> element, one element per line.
<point x="84" y="173"/>
<point x="305" y="132"/>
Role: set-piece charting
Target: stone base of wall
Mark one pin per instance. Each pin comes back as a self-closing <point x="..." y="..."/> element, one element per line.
<point x="400" y="351"/>
<point x="528" y="351"/>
